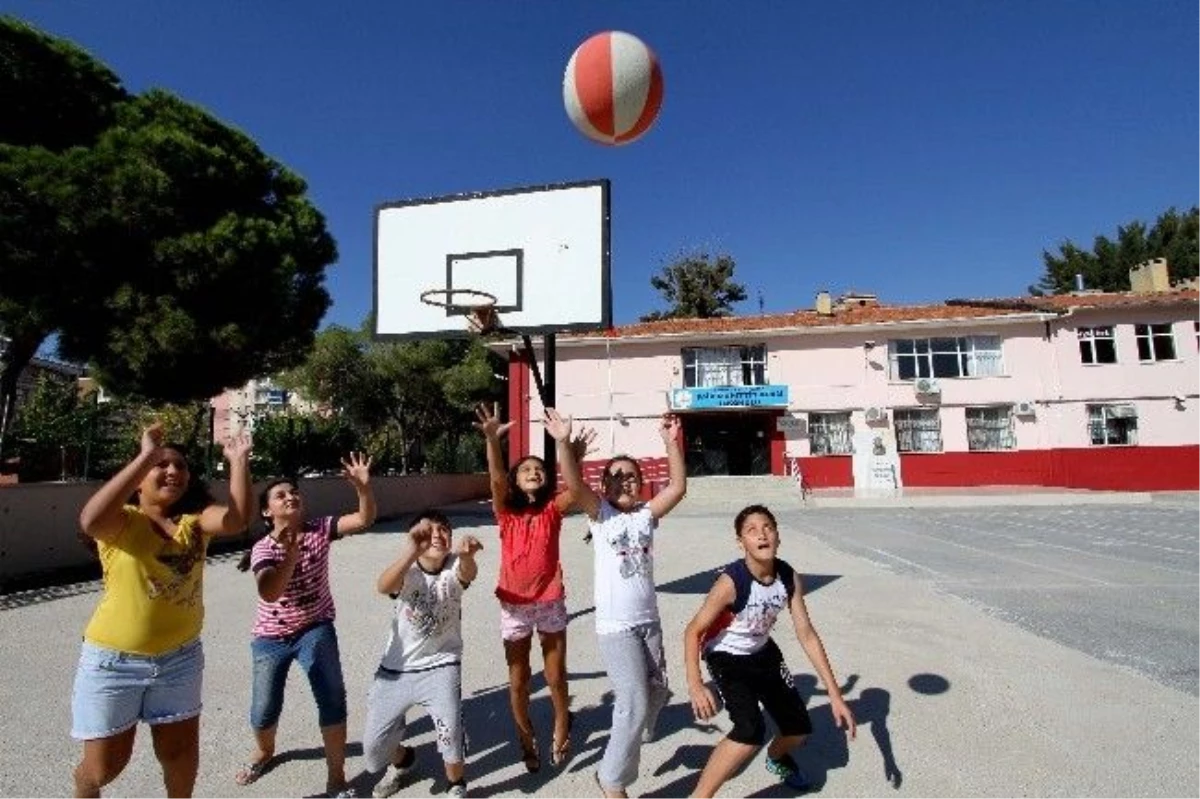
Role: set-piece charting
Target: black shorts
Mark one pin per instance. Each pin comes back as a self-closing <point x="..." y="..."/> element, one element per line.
<point x="746" y="681"/>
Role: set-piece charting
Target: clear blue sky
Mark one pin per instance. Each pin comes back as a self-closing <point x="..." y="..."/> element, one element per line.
<point x="921" y="150"/>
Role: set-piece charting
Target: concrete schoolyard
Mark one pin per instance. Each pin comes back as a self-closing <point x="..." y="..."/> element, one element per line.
<point x="990" y="644"/>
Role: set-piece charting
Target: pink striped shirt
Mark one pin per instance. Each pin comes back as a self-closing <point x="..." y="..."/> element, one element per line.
<point x="306" y="600"/>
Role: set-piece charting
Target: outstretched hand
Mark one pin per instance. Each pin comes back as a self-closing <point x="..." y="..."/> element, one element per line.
<point x="420" y="535"/>
<point x="357" y="469"/>
<point x="152" y="437"/>
<point x="581" y="444"/>
<point x="468" y="545"/>
<point x="237" y="448"/>
<point x="669" y="427"/>
<point x="489" y="420"/>
<point x="557" y="425"/>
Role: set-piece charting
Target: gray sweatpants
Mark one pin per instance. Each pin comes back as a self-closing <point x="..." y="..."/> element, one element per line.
<point x="392" y="695"/>
<point x="637" y="668"/>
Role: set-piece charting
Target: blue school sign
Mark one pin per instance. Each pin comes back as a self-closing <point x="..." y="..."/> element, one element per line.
<point x="700" y="399"/>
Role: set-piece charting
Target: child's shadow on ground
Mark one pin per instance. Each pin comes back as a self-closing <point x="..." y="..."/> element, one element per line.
<point x="827" y="747"/>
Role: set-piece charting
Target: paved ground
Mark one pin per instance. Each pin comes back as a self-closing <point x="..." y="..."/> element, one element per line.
<point x="987" y="651"/>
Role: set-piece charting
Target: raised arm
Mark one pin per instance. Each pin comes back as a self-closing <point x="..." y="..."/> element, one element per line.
<point x="231" y="519"/>
<point x="577" y="492"/>
<point x="720" y="597"/>
<point x="811" y="641"/>
<point x="358" y="471"/>
<point x="662" y="502"/>
<point x="416" y="542"/>
<point x="103" y="515"/>
<point x="489" y="424"/>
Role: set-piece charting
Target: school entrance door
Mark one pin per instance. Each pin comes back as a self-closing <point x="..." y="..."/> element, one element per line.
<point x="727" y="443"/>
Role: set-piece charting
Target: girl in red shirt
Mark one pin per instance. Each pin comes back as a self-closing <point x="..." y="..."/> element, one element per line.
<point x="530" y="589"/>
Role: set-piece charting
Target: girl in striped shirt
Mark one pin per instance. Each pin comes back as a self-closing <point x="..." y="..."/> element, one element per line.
<point x="294" y="621"/>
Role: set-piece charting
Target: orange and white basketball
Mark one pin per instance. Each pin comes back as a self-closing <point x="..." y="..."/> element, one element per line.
<point x="613" y="88"/>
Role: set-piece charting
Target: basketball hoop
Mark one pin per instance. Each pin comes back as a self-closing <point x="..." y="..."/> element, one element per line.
<point x="478" y="306"/>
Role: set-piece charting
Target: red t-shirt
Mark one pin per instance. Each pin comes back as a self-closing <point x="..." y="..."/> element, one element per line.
<point x="530" y="570"/>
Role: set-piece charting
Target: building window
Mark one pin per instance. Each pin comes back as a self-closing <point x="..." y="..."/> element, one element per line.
<point x="1112" y="424"/>
<point x="918" y="430"/>
<point x="1096" y="345"/>
<point x="704" y="367"/>
<point x="1155" y="342"/>
<point x="990" y="429"/>
<point x="964" y="356"/>
<point x="830" y="433"/>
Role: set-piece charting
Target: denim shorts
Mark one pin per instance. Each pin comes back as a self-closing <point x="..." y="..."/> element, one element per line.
<point x="316" y="650"/>
<point x="115" y="690"/>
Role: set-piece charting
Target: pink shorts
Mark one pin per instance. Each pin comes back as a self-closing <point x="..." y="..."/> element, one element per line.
<point x="518" y="622"/>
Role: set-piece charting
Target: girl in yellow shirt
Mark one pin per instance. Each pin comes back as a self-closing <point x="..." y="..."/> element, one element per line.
<point x="141" y="658"/>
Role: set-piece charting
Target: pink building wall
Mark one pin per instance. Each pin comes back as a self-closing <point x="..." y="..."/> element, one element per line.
<point x="618" y="386"/>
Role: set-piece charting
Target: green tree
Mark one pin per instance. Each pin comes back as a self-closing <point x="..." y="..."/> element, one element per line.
<point x="59" y="434"/>
<point x="167" y="250"/>
<point x="292" y="444"/>
<point x="411" y="403"/>
<point x="697" y="287"/>
<point x="1106" y="266"/>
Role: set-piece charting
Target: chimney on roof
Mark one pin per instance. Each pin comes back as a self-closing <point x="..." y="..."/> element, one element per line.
<point x="856" y="299"/>
<point x="1150" y="277"/>
<point x="824" y="304"/>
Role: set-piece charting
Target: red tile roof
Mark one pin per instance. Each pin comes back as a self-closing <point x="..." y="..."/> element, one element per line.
<point x="879" y="314"/>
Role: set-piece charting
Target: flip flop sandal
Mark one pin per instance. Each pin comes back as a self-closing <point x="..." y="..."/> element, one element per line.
<point x="250" y="772"/>
<point x="562" y="751"/>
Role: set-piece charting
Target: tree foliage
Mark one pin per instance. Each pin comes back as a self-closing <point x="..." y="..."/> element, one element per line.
<point x="696" y="286"/>
<point x="293" y="444"/>
<point x="161" y="246"/>
<point x="1106" y="266"/>
<point x="411" y="403"/>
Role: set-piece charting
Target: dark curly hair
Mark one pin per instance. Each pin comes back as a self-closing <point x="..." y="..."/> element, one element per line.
<point x="747" y="512"/>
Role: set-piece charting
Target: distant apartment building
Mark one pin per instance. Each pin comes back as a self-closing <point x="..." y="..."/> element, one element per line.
<point x="238" y="410"/>
<point x="1088" y="390"/>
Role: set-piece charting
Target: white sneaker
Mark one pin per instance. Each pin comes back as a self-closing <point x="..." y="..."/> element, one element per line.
<point x="457" y="790"/>
<point x="394" y="780"/>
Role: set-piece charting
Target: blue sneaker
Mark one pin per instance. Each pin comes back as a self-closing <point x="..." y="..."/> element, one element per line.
<point x="785" y="769"/>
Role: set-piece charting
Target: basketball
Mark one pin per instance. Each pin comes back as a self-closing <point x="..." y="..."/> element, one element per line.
<point x="613" y="88"/>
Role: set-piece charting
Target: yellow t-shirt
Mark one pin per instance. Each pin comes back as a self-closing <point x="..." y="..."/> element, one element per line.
<point x="153" y="598"/>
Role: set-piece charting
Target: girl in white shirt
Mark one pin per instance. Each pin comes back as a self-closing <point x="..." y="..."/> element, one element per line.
<point x="622" y="527"/>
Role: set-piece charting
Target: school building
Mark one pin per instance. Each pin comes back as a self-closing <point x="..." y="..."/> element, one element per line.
<point x="1083" y="390"/>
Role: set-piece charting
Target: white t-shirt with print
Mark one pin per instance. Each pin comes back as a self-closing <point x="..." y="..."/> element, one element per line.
<point x="426" y="628"/>
<point x="624" y="568"/>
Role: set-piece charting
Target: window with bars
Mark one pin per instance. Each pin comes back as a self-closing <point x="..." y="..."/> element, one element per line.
<point x="1155" y="342"/>
<point x="963" y="356"/>
<point x="1097" y="345"/>
<point x="1112" y="424"/>
<point x="830" y="433"/>
<point x="917" y="430"/>
<point x="704" y="367"/>
<point x="990" y="428"/>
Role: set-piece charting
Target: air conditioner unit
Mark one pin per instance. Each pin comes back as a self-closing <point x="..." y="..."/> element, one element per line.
<point x="875" y="415"/>
<point x="1025" y="408"/>
<point x="927" y="385"/>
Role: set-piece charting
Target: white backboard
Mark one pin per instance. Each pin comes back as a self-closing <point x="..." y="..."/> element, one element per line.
<point x="542" y="251"/>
